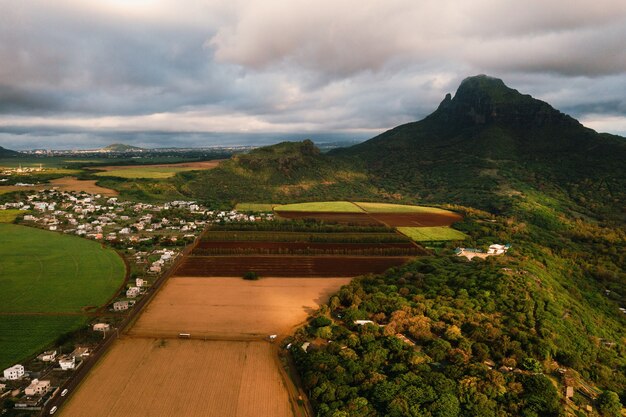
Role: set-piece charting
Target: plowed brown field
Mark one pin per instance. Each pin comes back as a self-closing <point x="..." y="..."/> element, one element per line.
<point x="151" y="377"/>
<point x="287" y="266"/>
<point x="417" y="219"/>
<point x="232" y="307"/>
<point x="388" y="219"/>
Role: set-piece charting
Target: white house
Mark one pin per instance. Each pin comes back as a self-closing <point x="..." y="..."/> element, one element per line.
<point x="497" y="249"/>
<point x="37" y="387"/>
<point x="101" y="327"/>
<point x="363" y="322"/>
<point x="14" y="372"/>
<point x="67" y="362"/>
<point x="48" y="356"/>
<point x="120" y="305"/>
<point x="132" y="292"/>
<point x="139" y="282"/>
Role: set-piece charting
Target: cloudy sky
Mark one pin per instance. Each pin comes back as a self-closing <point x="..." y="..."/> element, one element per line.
<point x="84" y="73"/>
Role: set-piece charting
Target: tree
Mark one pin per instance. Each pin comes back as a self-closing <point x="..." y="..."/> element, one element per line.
<point x="609" y="404"/>
<point x="446" y="405"/>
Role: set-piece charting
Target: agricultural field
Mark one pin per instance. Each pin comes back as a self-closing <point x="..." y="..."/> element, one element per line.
<point x="170" y="377"/>
<point x="52" y="273"/>
<point x="255" y="207"/>
<point x="48" y="281"/>
<point x="432" y="234"/>
<point x="397" y="208"/>
<point x="143" y="172"/>
<point x="288" y="266"/>
<point x="8" y="216"/>
<point x="324" y="206"/>
<point x="25" y="335"/>
<point x="74" y="184"/>
<point x="233" y="308"/>
<point x="157" y="171"/>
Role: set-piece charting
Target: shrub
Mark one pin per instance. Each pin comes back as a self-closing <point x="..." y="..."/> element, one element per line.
<point x="251" y="276"/>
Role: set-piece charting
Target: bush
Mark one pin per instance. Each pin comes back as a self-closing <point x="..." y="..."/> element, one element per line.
<point x="251" y="276"/>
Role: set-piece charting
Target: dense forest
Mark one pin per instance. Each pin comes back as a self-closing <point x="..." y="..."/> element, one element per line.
<point x="503" y="336"/>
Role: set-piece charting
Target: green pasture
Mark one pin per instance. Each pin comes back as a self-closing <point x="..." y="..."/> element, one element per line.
<point x="398" y="208"/>
<point x="255" y="207"/>
<point x="322" y="206"/>
<point x="431" y="234"/>
<point x="145" y="172"/>
<point x="49" y="272"/>
<point x="24" y="335"/>
<point x="7" y="216"/>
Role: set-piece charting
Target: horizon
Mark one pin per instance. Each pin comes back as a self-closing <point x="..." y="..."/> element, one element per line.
<point x="150" y="72"/>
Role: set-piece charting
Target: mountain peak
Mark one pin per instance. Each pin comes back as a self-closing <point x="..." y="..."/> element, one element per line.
<point x="482" y="99"/>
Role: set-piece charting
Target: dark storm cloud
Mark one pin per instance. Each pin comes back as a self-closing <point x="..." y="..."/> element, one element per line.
<point x="92" y="70"/>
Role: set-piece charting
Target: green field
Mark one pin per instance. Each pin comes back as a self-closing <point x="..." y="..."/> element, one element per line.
<point x="322" y="206"/>
<point x="49" y="272"/>
<point x="7" y="216"/>
<point x="431" y="234"/>
<point x="145" y="172"/>
<point x="255" y="207"/>
<point x="398" y="208"/>
<point x="22" y="336"/>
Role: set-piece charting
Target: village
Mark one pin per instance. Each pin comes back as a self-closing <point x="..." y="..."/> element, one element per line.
<point x="150" y="238"/>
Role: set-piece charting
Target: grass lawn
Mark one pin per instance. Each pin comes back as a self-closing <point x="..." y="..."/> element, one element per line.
<point x="323" y="206"/>
<point x="48" y="272"/>
<point x="145" y="172"/>
<point x="22" y="336"/>
<point x="398" y="208"/>
<point x="256" y="207"/>
<point x="430" y="234"/>
<point x="7" y="216"/>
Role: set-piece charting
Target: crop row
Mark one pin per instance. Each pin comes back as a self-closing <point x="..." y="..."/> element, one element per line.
<point x="300" y="225"/>
<point x="267" y="236"/>
<point x="344" y="251"/>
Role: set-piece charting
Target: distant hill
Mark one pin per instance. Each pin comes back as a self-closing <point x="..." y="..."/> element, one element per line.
<point x="120" y="147"/>
<point x="7" y="153"/>
<point x="490" y="143"/>
<point x="285" y="172"/>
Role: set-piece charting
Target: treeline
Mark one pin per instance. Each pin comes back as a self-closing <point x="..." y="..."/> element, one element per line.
<point x="213" y="236"/>
<point x="304" y="225"/>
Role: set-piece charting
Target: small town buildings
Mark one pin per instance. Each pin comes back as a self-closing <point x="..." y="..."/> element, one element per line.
<point x="37" y="387"/>
<point x="363" y="322"/>
<point x="67" y="362"/>
<point x="139" y="282"/>
<point x="14" y="372"/>
<point x="132" y="292"/>
<point x="305" y="346"/>
<point x="569" y="392"/>
<point x="101" y="327"/>
<point x="48" y="356"/>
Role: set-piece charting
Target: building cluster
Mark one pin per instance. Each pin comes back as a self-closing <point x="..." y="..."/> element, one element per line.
<point x="21" y="170"/>
<point x="470" y="253"/>
<point x="30" y="392"/>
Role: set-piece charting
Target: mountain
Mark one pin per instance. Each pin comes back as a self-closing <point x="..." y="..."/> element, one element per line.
<point x="285" y="172"/>
<point x="120" y="147"/>
<point x="490" y="143"/>
<point x="7" y="153"/>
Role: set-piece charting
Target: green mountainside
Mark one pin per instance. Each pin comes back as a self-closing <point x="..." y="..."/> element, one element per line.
<point x="490" y="144"/>
<point x="7" y="153"/>
<point x="285" y="172"/>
